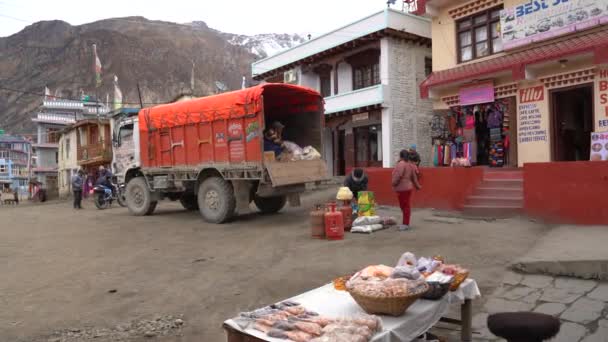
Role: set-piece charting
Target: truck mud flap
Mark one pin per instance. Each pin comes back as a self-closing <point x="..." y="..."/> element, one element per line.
<point x="297" y="172"/>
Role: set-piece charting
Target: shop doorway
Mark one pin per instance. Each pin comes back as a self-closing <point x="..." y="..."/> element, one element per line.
<point x="368" y="146"/>
<point x="572" y="122"/>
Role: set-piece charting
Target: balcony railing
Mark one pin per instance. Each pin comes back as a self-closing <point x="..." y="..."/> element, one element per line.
<point x="354" y="99"/>
<point x="93" y="153"/>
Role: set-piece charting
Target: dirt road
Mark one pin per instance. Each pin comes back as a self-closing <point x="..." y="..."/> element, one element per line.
<point x="63" y="269"/>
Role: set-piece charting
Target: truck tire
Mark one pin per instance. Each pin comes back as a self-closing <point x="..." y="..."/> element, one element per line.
<point x="139" y="198"/>
<point x="270" y="205"/>
<point x="216" y="200"/>
<point x="189" y="202"/>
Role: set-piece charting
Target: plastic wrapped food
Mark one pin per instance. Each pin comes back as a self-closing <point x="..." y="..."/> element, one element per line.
<point x="298" y="336"/>
<point x="262" y="327"/>
<point x="380" y="271"/>
<point x="340" y="337"/>
<point x="367" y="203"/>
<point x="359" y="330"/>
<point x="294" y="149"/>
<point x="295" y="310"/>
<point x="284" y="325"/>
<point x="438" y="277"/>
<point x="407" y="272"/>
<point x="309" y="328"/>
<point x="407" y="258"/>
<point x="310" y="153"/>
<point x="278" y="334"/>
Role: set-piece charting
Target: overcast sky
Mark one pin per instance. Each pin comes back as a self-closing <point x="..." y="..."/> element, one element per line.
<point x="238" y="16"/>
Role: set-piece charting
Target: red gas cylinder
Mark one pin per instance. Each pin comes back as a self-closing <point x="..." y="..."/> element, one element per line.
<point x="334" y="223"/>
<point x="347" y="212"/>
<point x="317" y="223"/>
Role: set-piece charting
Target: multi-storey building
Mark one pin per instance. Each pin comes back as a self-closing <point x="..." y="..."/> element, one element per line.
<point x="54" y="116"/>
<point x="368" y="72"/>
<point x="15" y="161"/>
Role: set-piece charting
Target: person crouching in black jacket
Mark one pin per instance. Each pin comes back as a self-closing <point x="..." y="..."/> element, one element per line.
<point x="356" y="181"/>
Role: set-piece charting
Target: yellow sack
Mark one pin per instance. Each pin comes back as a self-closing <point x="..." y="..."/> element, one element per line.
<point x="367" y="203"/>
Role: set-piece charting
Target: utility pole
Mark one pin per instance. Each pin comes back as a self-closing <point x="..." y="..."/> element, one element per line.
<point x="141" y="103"/>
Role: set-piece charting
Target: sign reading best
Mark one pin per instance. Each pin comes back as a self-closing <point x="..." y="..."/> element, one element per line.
<point x="539" y="20"/>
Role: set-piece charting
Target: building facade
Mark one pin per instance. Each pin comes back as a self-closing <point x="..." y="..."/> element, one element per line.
<point x="368" y="73"/>
<point x="15" y="161"/>
<point x="54" y="116"/>
<point x="85" y="145"/>
<point x="518" y="82"/>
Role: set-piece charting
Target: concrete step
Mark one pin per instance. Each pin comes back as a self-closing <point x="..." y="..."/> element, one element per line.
<point x="504" y="175"/>
<point x="498" y="201"/>
<point x="502" y="183"/>
<point x="494" y="211"/>
<point x="500" y="191"/>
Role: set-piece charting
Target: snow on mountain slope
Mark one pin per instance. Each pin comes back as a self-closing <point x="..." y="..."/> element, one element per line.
<point x="265" y="45"/>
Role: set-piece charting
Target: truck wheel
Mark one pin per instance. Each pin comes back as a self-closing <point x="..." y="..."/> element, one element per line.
<point x="189" y="202"/>
<point x="216" y="200"/>
<point x="139" y="198"/>
<point x="270" y="205"/>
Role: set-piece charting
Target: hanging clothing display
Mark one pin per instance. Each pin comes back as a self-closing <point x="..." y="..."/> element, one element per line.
<point x="480" y="132"/>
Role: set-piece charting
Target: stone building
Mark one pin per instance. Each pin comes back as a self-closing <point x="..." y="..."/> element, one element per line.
<point x="368" y="72"/>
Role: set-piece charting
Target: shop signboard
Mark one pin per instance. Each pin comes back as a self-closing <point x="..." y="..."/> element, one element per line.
<point x="477" y="94"/>
<point x="601" y="112"/>
<point x="538" y="20"/>
<point x="360" y="117"/>
<point x="599" y="146"/>
<point x="531" y="127"/>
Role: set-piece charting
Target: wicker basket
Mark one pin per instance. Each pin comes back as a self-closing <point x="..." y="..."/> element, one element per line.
<point x="393" y="306"/>
<point x="458" y="279"/>
<point x="437" y="290"/>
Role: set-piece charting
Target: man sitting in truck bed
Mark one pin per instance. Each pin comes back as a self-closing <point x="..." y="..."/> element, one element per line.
<point x="272" y="142"/>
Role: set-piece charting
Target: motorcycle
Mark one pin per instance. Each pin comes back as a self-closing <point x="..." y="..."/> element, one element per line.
<point x="104" y="196"/>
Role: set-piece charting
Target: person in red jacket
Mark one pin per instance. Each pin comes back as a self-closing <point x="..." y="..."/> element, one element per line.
<point x="404" y="180"/>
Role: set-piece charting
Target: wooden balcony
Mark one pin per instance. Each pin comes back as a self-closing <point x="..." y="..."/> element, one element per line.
<point x="95" y="153"/>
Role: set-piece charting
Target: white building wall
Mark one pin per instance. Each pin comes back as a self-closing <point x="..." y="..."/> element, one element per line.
<point x="68" y="162"/>
<point x="345" y="78"/>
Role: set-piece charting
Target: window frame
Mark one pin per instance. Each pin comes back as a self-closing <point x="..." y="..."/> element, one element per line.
<point x="472" y="27"/>
<point x="374" y="75"/>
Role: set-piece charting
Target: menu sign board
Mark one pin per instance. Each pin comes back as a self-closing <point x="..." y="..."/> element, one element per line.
<point x="599" y="146"/>
<point x="538" y="20"/>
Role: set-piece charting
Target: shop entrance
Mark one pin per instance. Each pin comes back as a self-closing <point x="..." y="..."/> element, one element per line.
<point x="572" y="123"/>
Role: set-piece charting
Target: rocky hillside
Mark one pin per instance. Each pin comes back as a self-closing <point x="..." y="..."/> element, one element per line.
<point x="161" y="56"/>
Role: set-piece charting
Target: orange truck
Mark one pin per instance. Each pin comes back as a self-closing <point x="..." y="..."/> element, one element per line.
<point x="208" y="153"/>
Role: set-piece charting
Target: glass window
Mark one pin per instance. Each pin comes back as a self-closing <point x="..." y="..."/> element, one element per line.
<point x="3" y="168"/>
<point x="325" y="81"/>
<point x="366" y="76"/>
<point x="479" y="35"/>
<point x="428" y="66"/>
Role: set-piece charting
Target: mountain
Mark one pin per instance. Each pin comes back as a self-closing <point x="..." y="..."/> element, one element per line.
<point x="264" y="45"/>
<point x="163" y="57"/>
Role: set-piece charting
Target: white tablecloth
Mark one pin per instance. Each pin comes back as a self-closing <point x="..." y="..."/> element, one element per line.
<point x="419" y="317"/>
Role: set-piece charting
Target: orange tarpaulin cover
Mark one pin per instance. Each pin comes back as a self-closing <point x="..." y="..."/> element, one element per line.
<point x="231" y="105"/>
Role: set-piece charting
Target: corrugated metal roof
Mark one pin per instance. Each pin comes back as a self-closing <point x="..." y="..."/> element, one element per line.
<point x="519" y="59"/>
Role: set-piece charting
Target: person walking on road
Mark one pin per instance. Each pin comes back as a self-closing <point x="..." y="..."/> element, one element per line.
<point x="77" y="182"/>
<point x="404" y="181"/>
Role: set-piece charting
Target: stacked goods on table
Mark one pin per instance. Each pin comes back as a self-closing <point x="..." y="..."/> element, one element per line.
<point x="388" y="290"/>
<point x="440" y="276"/>
<point x="291" y="321"/>
<point x="382" y="289"/>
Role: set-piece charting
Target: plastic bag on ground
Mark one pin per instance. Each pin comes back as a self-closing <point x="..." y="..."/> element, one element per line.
<point x="370" y="228"/>
<point x="310" y="153"/>
<point x="367" y="220"/>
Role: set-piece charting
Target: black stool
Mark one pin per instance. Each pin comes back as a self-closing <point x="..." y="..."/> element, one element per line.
<point x="523" y="326"/>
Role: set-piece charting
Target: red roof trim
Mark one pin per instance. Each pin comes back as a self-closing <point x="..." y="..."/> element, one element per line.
<point x="516" y="61"/>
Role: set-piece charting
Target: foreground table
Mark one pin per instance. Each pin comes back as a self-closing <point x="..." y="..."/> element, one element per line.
<point x="419" y="318"/>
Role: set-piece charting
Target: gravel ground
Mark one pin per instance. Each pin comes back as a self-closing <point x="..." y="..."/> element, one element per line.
<point x="71" y="275"/>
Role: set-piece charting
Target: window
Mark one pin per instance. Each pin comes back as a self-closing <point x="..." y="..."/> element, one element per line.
<point x="479" y="35"/>
<point x="325" y="85"/>
<point x="3" y="168"/>
<point x="67" y="148"/>
<point x="368" y="146"/>
<point x="3" y="154"/>
<point x="56" y="157"/>
<point x="428" y="66"/>
<point x="52" y="135"/>
<point x="366" y="76"/>
<point x="366" y="68"/>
